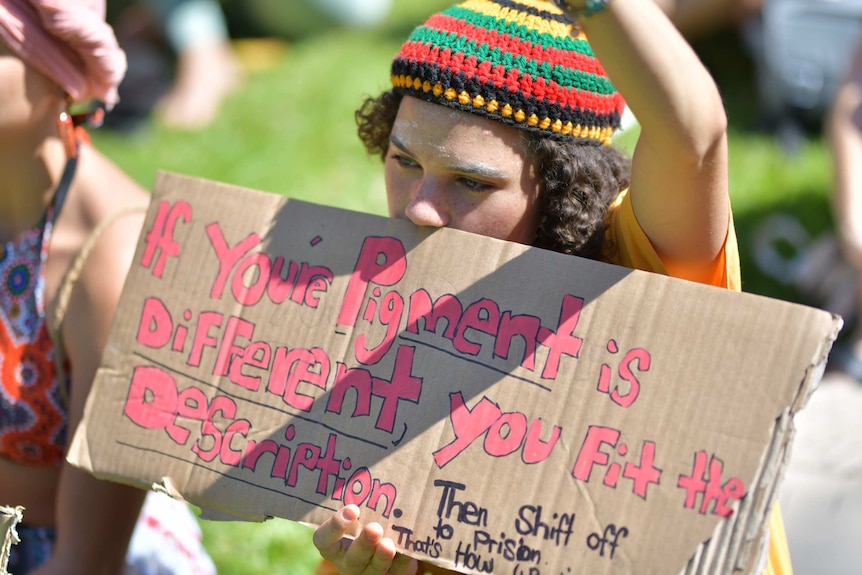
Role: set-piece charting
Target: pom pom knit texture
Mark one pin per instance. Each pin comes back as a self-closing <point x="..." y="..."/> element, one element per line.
<point x="514" y="62"/>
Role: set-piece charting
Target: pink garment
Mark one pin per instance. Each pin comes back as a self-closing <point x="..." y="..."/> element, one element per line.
<point x="68" y="41"/>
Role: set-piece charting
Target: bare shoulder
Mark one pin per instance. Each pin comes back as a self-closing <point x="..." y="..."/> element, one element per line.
<point x="106" y="213"/>
<point x="104" y="187"/>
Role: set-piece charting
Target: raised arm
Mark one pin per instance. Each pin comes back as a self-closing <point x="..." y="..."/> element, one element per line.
<point x="679" y="168"/>
<point x="844" y="130"/>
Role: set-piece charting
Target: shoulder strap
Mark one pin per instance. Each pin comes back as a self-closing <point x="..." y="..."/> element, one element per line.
<point x="65" y="292"/>
<point x="63" y="187"/>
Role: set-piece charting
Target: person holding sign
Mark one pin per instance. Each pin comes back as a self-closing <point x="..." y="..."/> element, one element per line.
<point x="499" y="122"/>
<point x="69" y="222"/>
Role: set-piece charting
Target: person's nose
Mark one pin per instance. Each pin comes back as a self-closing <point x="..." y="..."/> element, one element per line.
<point x="427" y="205"/>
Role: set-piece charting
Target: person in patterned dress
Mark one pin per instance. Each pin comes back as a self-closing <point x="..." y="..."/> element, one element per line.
<point x="58" y="297"/>
<point x="499" y="121"/>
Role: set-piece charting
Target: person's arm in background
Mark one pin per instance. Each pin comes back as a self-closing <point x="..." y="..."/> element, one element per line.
<point x="95" y="519"/>
<point x="679" y="183"/>
<point x="844" y="135"/>
<point x="207" y="69"/>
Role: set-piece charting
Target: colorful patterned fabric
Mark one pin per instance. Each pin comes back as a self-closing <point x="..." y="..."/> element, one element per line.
<point x="516" y="62"/>
<point x="32" y="415"/>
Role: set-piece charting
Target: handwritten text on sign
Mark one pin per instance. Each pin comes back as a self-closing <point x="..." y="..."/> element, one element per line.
<point x="214" y="429"/>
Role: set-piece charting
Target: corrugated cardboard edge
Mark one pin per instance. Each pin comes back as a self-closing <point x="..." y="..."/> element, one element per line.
<point x="746" y="535"/>
<point x="9" y="518"/>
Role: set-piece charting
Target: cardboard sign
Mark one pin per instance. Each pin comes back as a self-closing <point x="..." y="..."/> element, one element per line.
<point x="498" y="408"/>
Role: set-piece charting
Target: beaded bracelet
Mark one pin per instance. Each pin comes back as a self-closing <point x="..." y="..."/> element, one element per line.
<point x="591" y="8"/>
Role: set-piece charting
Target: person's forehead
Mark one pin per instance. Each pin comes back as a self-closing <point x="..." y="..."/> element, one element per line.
<point x="422" y="121"/>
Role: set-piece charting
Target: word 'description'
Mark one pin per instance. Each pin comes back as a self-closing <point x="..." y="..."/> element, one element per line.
<point x="278" y="358"/>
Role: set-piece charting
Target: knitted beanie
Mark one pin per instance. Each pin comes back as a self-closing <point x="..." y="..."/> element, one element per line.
<point x="516" y="62"/>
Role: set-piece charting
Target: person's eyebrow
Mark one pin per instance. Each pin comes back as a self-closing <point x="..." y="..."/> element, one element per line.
<point x="472" y="168"/>
<point x="478" y="169"/>
<point x="396" y="141"/>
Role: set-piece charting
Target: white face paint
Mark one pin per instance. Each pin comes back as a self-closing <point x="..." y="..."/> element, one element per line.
<point x="447" y="168"/>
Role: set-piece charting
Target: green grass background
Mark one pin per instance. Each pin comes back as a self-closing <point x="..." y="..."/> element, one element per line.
<point x="290" y="130"/>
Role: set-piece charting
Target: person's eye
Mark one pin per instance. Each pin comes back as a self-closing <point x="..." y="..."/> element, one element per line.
<point x="404" y="161"/>
<point x="475" y="185"/>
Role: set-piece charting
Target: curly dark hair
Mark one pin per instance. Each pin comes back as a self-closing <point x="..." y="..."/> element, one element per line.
<point x="579" y="180"/>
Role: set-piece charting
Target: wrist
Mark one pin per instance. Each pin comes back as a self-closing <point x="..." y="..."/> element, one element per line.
<point x="579" y="9"/>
